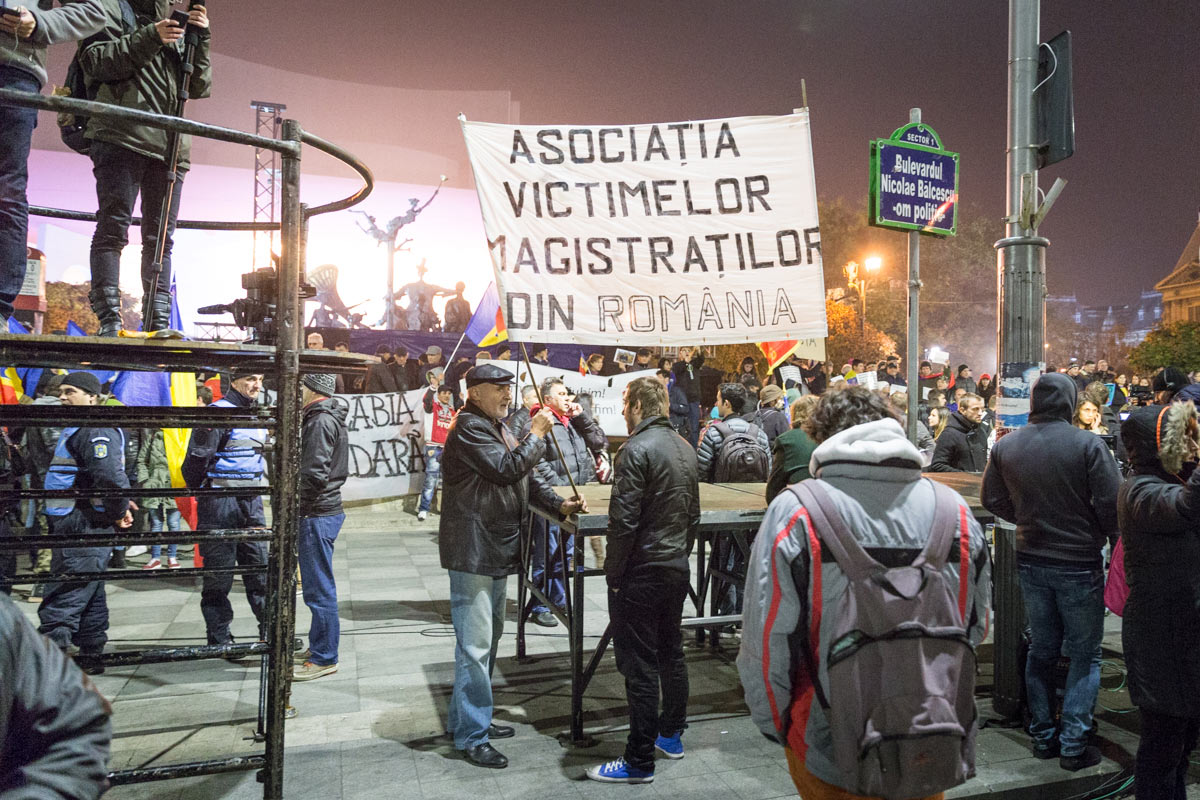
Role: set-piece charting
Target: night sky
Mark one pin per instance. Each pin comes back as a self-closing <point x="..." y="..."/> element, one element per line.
<point x="1134" y="188"/>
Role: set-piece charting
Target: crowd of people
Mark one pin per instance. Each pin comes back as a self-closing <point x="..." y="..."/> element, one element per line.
<point x="1070" y="485"/>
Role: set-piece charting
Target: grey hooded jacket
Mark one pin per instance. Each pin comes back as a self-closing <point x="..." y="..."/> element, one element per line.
<point x="73" y="22"/>
<point x="873" y="475"/>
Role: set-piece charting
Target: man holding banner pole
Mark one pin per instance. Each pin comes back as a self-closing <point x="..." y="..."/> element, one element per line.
<point x="487" y="491"/>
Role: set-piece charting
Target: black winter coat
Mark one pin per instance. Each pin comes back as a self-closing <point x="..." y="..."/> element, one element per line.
<point x="1056" y="483"/>
<point x="655" y="507"/>
<point x="54" y="726"/>
<point x="579" y="442"/>
<point x="486" y="490"/>
<point x="962" y="447"/>
<point x="324" y="458"/>
<point x="687" y="377"/>
<point x="1160" y="525"/>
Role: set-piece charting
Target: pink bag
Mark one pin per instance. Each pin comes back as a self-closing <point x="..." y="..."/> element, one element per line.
<point x="1116" y="591"/>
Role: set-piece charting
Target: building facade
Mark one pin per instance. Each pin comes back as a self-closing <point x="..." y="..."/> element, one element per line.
<point x="1181" y="288"/>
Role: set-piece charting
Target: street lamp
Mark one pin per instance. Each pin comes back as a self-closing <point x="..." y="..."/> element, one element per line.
<point x="856" y="278"/>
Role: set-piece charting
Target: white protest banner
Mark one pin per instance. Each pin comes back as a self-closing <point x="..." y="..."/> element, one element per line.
<point x="387" y="454"/>
<point x="607" y="391"/>
<point x="674" y="233"/>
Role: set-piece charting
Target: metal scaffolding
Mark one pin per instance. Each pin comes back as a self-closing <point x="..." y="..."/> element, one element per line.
<point x="268" y="119"/>
<point x="282" y="362"/>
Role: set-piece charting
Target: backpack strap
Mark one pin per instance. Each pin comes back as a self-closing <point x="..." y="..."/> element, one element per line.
<point x="846" y="550"/>
<point x="723" y="429"/>
<point x="949" y="518"/>
<point x="753" y="431"/>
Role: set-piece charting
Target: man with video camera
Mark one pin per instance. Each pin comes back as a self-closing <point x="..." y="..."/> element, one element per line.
<point x="140" y="66"/>
<point x="25" y="34"/>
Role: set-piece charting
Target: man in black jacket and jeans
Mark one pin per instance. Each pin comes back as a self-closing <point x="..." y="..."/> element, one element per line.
<point x="653" y="516"/>
<point x="687" y="378"/>
<point x="324" y="465"/>
<point x="1058" y="485"/>
<point x="486" y="496"/>
<point x="962" y="447"/>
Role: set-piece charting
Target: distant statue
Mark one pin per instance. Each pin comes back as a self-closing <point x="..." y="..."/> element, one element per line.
<point x="420" y="314"/>
<point x="458" y="311"/>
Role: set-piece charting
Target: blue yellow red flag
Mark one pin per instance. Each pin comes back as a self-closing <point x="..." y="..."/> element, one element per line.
<point x="487" y="323"/>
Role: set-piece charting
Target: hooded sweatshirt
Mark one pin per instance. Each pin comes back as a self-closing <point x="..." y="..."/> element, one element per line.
<point x="71" y="23"/>
<point x="1058" y="484"/>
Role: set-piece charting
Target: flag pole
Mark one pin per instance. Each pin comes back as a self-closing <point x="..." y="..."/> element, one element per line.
<point x="453" y="352"/>
<point x="541" y="401"/>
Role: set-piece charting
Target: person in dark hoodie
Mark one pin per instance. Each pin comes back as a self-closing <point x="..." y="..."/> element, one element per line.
<point x="1158" y="510"/>
<point x="962" y="447"/>
<point x="324" y="465"/>
<point x="1058" y="485"/>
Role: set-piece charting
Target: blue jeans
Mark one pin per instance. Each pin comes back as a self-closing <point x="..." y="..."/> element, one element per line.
<point x="549" y="579"/>
<point x="156" y="524"/>
<point x="694" y="424"/>
<point x="1065" y="610"/>
<point x="433" y="476"/>
<point x="477" y="611"/>
<point x="16" y="136"/>
<point x="315" y="544"/>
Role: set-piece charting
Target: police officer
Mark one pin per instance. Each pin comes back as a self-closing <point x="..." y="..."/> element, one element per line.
<point x="229" y="458"/>
<point x="85" y="458"/>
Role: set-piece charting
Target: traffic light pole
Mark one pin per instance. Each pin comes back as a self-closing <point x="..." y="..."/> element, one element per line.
<point x="1022" y="320"/>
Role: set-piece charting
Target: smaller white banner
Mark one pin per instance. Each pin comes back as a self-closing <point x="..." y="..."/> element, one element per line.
<point x="387" y="454"/>
<point x="607" y="391"/>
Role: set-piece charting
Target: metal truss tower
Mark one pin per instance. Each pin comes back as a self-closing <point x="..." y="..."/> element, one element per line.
<point x="268" y="117"/>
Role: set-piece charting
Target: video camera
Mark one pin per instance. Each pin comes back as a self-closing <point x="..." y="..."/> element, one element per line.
<point x="255" y="312"/>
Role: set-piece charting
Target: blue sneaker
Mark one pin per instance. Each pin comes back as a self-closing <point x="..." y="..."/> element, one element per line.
<point x="619" y="771"/>
<point x="670" y="746"/>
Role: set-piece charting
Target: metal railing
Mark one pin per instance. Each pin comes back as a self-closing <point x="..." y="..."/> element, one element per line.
<point x="284" y="362"/>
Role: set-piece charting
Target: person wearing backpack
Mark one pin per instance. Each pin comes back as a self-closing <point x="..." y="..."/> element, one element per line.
<point x="871" y="529"/>
<point x="139" y="67"/>
<point x="24" y="38"/>
<point x="733" y="450"/>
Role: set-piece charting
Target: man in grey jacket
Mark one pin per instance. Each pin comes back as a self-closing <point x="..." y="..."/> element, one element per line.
<point x="25" y="34"/>
<point x="873" y="476"/>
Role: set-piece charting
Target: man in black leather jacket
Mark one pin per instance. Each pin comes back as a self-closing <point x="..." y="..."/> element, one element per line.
<point x="485" y="472"/>
<point x="653" y="516"/>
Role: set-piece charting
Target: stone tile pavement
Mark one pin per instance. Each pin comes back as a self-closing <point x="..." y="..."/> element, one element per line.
<point x="374" y="729"/>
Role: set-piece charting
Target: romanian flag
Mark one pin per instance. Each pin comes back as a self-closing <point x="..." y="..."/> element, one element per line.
<point x="777" y="352"/>
<point x="487" y="323"/>
<point x="583" y="367"/>
<point x="12" y="385"/>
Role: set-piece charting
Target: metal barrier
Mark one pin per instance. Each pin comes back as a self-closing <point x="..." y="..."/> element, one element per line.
<point x="284" y="362"/>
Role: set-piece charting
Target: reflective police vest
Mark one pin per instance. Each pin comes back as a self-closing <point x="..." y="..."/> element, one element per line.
<point x="64" y="469"/>
<point x="240" y="462"/>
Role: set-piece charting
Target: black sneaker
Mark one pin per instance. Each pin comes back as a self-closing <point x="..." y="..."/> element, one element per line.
<point x="36" y="593"/>
<point x="117" y="560"/>
<point x="1046" y="753"/>
<point x="1090" y="757"/>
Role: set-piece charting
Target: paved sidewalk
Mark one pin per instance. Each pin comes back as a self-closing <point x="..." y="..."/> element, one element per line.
<point x="374" y="729"/>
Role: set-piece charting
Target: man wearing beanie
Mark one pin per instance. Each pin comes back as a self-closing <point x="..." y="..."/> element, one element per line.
<point x="1058" y="485"/>
<point x="224" y="457"/>
<point x="84" y="458"/>
<point x="324" y="465"/>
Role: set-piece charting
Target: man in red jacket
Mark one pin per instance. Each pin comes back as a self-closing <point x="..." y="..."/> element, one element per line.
<point x="439" y="413"/>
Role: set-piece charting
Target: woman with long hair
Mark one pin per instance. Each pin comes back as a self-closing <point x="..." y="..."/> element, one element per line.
<point x="938" y="417"/>
<point x="792" y="449"/>
<point x="1087" y="417"/>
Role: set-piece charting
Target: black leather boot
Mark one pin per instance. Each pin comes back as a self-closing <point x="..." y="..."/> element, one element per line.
<point x="106" y="303"/>
<point x="160" y="313"/>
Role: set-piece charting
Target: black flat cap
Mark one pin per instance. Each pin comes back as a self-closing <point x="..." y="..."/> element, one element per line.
<point x="488" y="373"/>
